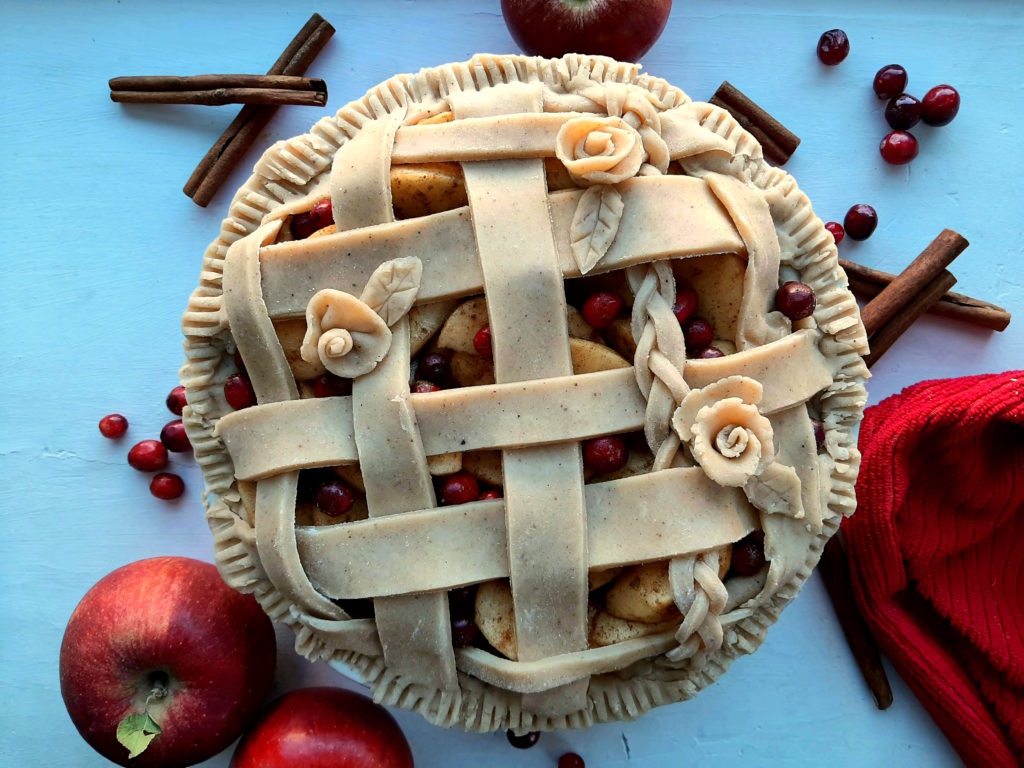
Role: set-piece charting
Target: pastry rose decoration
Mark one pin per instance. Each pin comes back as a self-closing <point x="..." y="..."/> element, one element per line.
<point x="728" y="436"/>
<point x="349" y="336"/>
<point x="344" y="333"/>
<point x="600" y="150"/>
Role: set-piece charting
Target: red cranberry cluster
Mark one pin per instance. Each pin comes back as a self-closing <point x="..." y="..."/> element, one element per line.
<point x="859" y="223"/>
<point x="903" y="111"/>
<point x="151" y="455"/>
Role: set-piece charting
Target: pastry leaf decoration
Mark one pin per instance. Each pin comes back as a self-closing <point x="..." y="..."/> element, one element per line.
<point x="595" y="224"/>
<point x="776" y="491"/>
<point x="392" y="288"/>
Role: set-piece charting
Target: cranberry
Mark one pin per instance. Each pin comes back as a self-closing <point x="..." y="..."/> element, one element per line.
<point x="748" y="554"/>
<point x="176" y="400"/>
<point x="833" y="47"/>
<point x="571" y="760"/>
<point x="604" y="454"/>
<point x="482" y="342"/>
<point x="940" y="105"/>
<point x="838" y="233"/>
<point x="238" y="391"/>
<point x="903" y="112"/>
<point x="460" y="488"/>
<point x="464" y="631"/>
<point x="113" y="426"/>
<point x="462" y="599"/>
<point x="425" y="386"/>
<point x="898" y="148"/>
<point x="436" y="367"/>
<point x="174" y="438"/>
<point x="685" y="305"/>
<point x="819" y="433"/>
<point x="795" y="300"/>
<point x="334" y="498"/>
<point x="524" y="741"/>
<point x="167" y="486"/>
<point x="860" y="221"/>
<point x="148" y="456"/>
<point x="710" y="353"/>
<point x="320" y="216"/>
<point x="600" y="309"/>
<point x="890" y="81"/>
<point x="698" y="333"/>
<point x="329" y="385"/>
<point x="491" y="494"/>
<point x="239" y="362"/>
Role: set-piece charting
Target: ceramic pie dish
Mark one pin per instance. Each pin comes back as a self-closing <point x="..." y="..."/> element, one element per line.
<point x="501" y="193"/>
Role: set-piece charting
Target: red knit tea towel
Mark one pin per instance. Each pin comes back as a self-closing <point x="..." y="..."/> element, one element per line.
<point x="936" y="554"/>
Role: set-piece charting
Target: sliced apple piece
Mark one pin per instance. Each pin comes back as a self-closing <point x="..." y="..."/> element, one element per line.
<point x="291" y="333"/>
<point x="591" y="357"/>
<point x="557" y="175"/>
<point x="485" y="465"/>
<point x="724" y="560"/>
<point x="494" y="615"/>
<point x="330" y="229"/>
<point x="597" y="579"/>
<point x="718" y="281"/>
<point x="420" y="189"/>
<point x="643" y="593"/>
<point x="425" y="320"/>
<point x="606" y="629"/>
<point x="445" y="463"/>
<point x="351" y="474"/>
<point x="619" y="336"/>
<point x="471" y="370"/>
<point x="580" y="328"/>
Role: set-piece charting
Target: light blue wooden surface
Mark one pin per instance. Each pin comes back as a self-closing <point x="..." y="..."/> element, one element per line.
<point x="102" y="250"/>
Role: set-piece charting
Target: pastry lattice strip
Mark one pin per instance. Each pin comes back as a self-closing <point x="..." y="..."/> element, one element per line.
<point x="262" y="443"/>
<point x="367" y="211"/>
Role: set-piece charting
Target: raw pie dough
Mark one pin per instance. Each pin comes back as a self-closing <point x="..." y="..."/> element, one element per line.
<point x="571" y="167"/>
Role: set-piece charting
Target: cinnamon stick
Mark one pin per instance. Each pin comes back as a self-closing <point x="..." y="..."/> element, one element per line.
<point x="219" y="96"/>
<point x="887" y="334"/>
<point x="922" y="272"/>
<point x="866" y="283"/>
<point x="777" y="142"/>
<point x="213" y="90"/>
<point x="218" y="163"/>
<point x="835" y="570"/>
<point x="886" y="317"/>
<point x="210" y="82"/>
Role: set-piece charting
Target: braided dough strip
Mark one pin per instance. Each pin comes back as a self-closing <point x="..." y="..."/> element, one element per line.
<point x="272" y="381"/>
<point x="339" y="558"/>
<point x="414" y="631"/>
<point x="261" y="440"/>
<point x="559" y="670"/>
<point x="692" y="223"/>
<point x="544" y="505"/>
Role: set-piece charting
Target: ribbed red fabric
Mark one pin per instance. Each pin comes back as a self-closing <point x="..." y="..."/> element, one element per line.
<point x="936" y="554"/>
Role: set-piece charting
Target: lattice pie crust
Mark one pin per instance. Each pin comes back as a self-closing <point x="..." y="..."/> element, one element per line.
<point x="647" y="182"/>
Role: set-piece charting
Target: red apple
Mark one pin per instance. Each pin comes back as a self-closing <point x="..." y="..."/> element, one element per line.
<point x="323" y="728"/>
<point x="168" y="639"/>
<point x="622" y="29"/>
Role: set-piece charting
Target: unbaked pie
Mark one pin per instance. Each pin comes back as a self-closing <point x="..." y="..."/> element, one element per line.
<point x="493" y="471"/>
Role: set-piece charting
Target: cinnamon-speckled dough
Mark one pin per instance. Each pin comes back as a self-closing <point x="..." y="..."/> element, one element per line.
<point x="549" y="170"/>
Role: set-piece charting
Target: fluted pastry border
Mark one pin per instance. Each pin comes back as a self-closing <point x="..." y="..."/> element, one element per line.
<point x="290" y="168"/>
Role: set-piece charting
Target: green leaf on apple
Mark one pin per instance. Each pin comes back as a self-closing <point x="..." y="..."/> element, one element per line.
<point x="136" y="731"/>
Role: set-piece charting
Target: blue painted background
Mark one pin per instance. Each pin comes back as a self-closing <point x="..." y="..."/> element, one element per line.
<point x="101" y="250"/>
